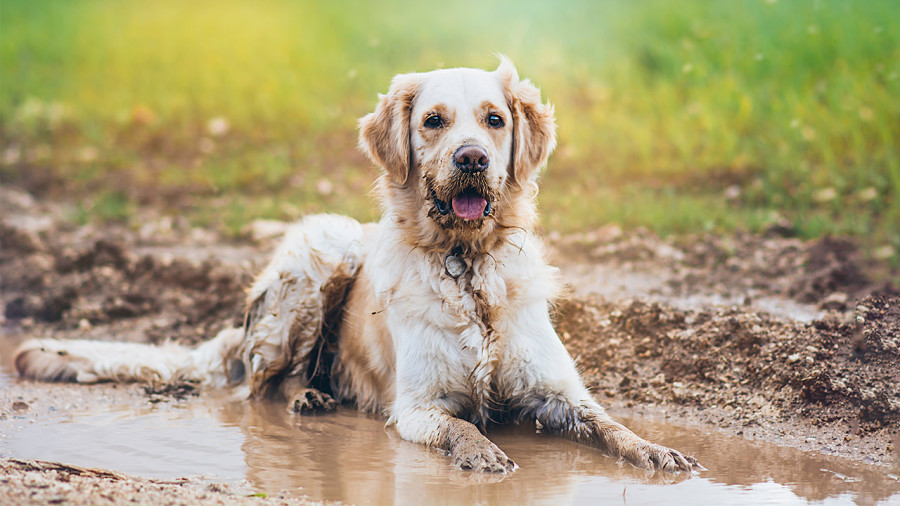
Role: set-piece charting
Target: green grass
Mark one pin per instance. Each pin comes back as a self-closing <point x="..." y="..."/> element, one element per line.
<point x="662" y="106"/>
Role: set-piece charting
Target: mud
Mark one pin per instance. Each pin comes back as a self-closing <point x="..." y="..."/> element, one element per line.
<point x="38" y="482"/>
<point x="766" y="337"/>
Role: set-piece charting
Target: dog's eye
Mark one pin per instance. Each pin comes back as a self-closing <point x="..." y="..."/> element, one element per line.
<point x="495" y="120"/>
<point x="434" y="121"/>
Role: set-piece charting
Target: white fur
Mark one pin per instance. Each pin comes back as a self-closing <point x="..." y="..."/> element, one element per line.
<point x="94" y="361"/>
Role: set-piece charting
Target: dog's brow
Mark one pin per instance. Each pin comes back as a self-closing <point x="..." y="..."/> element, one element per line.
<point x="440" y="109"/>
<point x="488" y="106"/>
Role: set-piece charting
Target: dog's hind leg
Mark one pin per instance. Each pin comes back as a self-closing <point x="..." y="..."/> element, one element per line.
<point x="304" y="399"/>
<point x="213" y="363"/>
<point x="294" y="306"/>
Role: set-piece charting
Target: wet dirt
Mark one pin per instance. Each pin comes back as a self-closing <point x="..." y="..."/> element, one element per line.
<point x="761" y="337"/>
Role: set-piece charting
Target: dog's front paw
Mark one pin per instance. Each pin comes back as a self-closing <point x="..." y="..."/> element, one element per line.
<point x="479" y="454"/>
<point x="659" y="458"/>
<point x="307" y="400"/>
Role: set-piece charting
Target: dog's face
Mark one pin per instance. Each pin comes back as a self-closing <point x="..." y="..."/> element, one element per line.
<point x="461" y="142"/>
<point x="459" y="148"/>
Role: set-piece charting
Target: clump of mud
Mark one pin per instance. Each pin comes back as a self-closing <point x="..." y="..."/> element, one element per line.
<point x="41" y="482"/>
<point x="826" y="272"/>
<point x="751" y="369"/>
<point x="826" y="370"/>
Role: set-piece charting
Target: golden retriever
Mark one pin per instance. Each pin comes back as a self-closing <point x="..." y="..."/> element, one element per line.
<point x="438" y="316"/>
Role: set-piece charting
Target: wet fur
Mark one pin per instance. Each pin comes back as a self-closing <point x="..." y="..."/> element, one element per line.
<point x="369" y="314"/>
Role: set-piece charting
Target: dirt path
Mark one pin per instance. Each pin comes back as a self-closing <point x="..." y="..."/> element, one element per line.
<point x="768" y="337"/>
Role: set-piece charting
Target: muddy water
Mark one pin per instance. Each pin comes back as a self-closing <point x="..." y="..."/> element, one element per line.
<point x="351" y="457"/>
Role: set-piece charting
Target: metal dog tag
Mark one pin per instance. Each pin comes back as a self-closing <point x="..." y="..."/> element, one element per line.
<point x="455" y="266"/>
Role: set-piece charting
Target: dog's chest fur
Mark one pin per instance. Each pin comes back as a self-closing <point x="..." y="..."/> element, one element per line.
<point x="476" y="297"/>
<point x="457" y="328"/>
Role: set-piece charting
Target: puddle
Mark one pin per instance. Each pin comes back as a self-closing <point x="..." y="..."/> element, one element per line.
<point x="350" y="457"/>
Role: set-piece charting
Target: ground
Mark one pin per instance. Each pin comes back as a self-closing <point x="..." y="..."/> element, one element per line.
<point x="765" y="336"/>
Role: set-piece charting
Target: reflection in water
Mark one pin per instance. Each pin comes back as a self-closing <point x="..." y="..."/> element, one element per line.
<point x="351" y="457"/>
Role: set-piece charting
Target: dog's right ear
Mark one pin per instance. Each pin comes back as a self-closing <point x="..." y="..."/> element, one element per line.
<point x="384" y="134"/>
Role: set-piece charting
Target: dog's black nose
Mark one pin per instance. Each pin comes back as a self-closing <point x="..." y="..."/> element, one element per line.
<point x="471" y="159"/>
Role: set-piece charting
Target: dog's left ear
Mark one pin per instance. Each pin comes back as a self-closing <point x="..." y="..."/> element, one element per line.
<point x="384" y="134"/>
<point x="534" y="125"/>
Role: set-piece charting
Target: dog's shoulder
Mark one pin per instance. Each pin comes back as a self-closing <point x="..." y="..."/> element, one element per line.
<point x="520" y="263"/>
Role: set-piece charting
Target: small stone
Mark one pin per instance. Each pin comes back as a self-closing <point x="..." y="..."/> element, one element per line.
<point x="793" y="358"/>
<point x="20" y="406"/>
<point x="658" y="380"/>
<point x="324" y="187"/>
<point x="884" y="252"/>
<point x="84" y="324"/>
<point x="218" y="126"/>
<point x="835" y="300"/>
<point x="825" y="195"/>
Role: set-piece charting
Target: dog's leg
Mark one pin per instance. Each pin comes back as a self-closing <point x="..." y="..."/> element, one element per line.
<point x="468" y="448"/>
<point x="584" y="421"/>
<point x="304" y="399"/>
<point x="553" y="393"/>
<point x="213" y="363"/>
<point x="293" y="304"/>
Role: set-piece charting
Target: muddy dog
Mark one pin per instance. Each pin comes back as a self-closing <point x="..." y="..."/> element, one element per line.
<point x="438" y="316"/>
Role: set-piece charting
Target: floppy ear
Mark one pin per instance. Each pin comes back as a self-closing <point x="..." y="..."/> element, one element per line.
<point x="384" y="134"/>
<point x="534" y="125"/>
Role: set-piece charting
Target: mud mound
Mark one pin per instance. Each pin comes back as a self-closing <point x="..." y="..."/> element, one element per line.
<point x="84" y="282"/>
<point x="827" y="272"/>
<point x="753" y="369"/>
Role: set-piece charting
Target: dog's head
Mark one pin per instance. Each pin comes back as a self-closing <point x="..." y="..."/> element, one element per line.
<point x="461" y="149"/>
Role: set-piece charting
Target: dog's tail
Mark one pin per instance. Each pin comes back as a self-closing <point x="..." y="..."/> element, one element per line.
<point x="214" y="363"/>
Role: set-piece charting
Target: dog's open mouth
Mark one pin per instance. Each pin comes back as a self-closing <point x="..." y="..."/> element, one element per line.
<point x="467" y="204"/>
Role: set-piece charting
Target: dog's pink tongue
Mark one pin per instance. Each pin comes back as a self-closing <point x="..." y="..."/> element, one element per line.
<point x="469" y="206"/>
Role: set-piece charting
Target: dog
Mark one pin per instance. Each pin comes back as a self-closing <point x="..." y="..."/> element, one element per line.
<point x="437" y="316"/>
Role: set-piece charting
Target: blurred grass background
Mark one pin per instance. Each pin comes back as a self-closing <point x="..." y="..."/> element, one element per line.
<point x="678" y="116"/>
